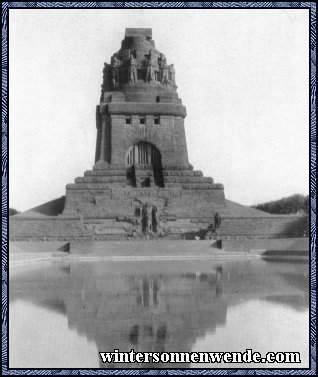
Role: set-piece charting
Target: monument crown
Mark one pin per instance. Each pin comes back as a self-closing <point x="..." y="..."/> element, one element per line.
<point x="138" y="32"/>
<point x="139" y="62"/>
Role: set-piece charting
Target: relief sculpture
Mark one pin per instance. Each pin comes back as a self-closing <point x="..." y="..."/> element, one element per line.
<point x="149" y="218"/>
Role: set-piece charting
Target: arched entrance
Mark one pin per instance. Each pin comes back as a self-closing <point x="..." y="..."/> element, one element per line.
<point x="143" y="164"/>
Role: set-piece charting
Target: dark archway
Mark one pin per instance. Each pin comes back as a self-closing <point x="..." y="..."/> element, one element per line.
<point x="138" y="158"/>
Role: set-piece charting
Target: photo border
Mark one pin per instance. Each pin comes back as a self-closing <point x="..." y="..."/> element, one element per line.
<point x="6" y="6"/>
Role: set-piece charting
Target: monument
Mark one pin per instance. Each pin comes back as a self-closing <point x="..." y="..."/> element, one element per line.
<point x="142" y="175"/>
<point x="142" y="184"/>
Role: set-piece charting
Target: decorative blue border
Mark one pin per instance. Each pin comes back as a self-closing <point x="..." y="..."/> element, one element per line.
<point x="5" y="13"/>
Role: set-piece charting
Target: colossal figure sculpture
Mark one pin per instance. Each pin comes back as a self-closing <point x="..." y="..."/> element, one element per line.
<point x="132" y="71"/>
<point x="164" y="72"/>
<point x="172" y="75"/>
<point x="149" y="71"/>
<point x="148" y="218"/>
<point x="115" y="64"/>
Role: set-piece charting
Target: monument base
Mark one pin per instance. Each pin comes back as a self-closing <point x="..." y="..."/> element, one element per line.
<point x="237" y="223"/>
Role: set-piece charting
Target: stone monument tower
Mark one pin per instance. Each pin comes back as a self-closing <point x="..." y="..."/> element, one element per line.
<point x="142" y="180"/>
<point x="142" y="185"/>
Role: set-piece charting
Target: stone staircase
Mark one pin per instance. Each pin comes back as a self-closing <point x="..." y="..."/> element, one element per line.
<point x="104" y="205"/>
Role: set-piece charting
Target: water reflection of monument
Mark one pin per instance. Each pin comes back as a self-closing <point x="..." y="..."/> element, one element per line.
<point x="158" y="306"/>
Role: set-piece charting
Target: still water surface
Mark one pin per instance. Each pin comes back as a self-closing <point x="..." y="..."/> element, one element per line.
<point x="61" y="314"/>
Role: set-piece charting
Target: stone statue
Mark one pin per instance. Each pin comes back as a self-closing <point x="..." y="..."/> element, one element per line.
<point x="164" y="71"/>
<point x="132" y="70"/>
<point x="106" y="79"/>
<point x="115" y="64"/>
<point x="148" y="218"/>
<point x="217" y="220"/>
<point x="172" y="75"/>
<point x="155" y="220"/>
<point x="145" y="218"/>
<point x="105" y="75"/>
<point x="150" y="75"/>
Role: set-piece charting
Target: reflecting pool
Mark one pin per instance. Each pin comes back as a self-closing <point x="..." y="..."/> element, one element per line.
<point x="62" y="314"/>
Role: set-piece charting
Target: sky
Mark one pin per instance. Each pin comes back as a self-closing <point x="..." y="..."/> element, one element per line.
<point x="241" y="73"/>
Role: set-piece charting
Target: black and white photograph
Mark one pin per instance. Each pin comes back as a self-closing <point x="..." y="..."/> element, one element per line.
<point x="159" y="197"/>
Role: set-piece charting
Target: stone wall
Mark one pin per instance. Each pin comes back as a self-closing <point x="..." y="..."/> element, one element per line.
<point x="263" y="227"/>
<point x="246" y="245"/>
<point x="50" y="228"/>
<point x="172" y="227"/>
<point x="98" y="200"/>
<point x="168" y="137"/>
